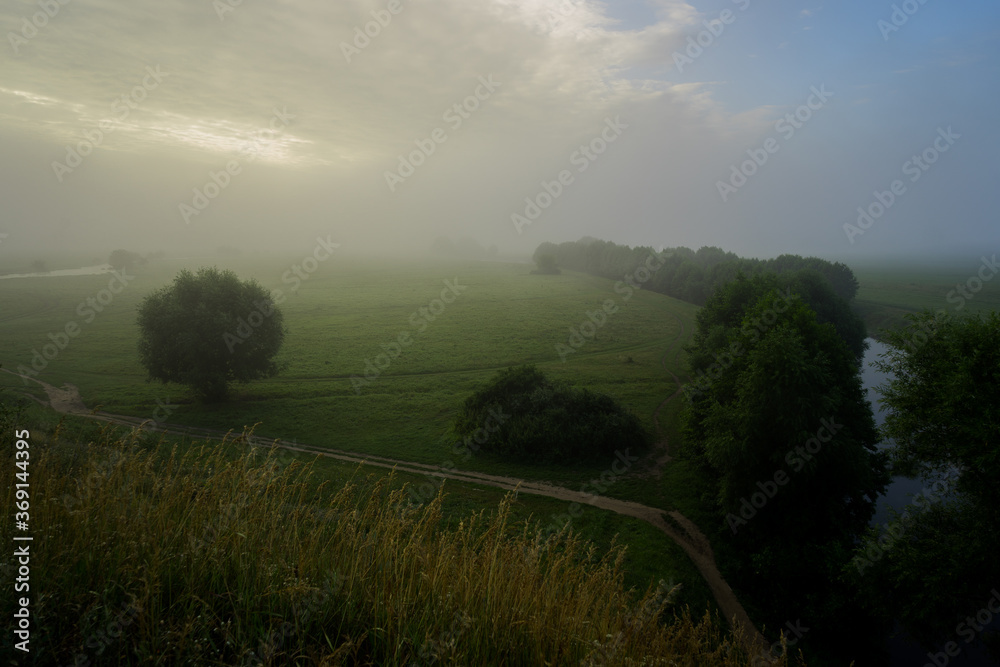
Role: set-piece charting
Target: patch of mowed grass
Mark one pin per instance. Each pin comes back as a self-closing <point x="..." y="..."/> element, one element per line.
<point x="199" y="556"/>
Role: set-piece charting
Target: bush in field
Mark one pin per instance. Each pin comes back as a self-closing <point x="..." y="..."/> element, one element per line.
<point x="547" y="263"/>
<point x="524" y="416"/>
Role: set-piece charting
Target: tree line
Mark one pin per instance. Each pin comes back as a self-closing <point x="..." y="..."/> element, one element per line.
<point x="778" y="426"/>
<point x="792" y="465"/>
<point x="689" y="275"/>
<point x="828" y="288"/>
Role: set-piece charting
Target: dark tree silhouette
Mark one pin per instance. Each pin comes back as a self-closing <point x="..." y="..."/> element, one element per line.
<point x="210" y="329"/>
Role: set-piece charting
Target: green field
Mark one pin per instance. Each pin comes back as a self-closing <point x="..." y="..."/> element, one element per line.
<point x="889" y="291"/>
<point x="349" y="309"/>
<point x="342" y="315"/>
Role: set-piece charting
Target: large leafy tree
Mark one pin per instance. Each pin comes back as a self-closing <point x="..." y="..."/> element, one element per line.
<point x="944" y="421"/>
<point x="781" y="384"/>
<point x="729" y="305"/>
<point x="944" y="400"/>
<point x="209" y="329"/>
<point x="783" y="427"/>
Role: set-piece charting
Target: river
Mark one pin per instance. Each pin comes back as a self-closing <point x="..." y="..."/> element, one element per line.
<point x="903" y="651"/>
<point x="901" y="489"/>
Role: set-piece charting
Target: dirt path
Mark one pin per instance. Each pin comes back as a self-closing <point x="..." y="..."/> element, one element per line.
<point x="694" y="543"/>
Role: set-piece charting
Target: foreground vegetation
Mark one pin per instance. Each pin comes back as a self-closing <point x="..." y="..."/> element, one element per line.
<point x="347" y="313"/>
<point x="206" y="557"/>
<point x="522" y="415"/>
<point x="782" y="429"/>
<point x="940" y="554"/>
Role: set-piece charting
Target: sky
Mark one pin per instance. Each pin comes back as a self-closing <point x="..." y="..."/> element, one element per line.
<point x="759" y="127"/>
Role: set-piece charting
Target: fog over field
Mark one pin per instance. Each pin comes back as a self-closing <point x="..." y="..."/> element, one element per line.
<point x="500" y="332"/>
<point x="649" y="109"/>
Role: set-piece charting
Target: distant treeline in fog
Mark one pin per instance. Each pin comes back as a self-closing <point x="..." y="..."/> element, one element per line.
<point x="687" y="274"/>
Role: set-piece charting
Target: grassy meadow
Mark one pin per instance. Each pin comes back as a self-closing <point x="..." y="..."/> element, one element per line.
<point x="346" y="313"/>
<point x="342" y="315"/>
<point x="891" y="290"/>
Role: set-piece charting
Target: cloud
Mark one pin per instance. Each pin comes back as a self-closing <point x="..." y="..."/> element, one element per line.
<point x="561" y="62"/>
<point x="361" y="101"/>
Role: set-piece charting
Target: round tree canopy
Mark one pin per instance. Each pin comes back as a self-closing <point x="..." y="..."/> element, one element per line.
<point x="209" y="329"/>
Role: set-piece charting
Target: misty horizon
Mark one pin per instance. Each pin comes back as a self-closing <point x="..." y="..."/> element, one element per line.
<point x="760" y="129"/>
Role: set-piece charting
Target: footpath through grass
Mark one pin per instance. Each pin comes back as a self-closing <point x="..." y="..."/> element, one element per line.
<point x="147" y="551"/>
<point x="344" y="314"/>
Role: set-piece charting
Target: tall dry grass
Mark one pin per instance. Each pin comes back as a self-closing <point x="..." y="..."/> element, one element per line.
<point x="207" y="557"/>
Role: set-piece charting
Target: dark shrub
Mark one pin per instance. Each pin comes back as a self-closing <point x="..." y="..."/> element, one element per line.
<point x="531" y="419"/>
